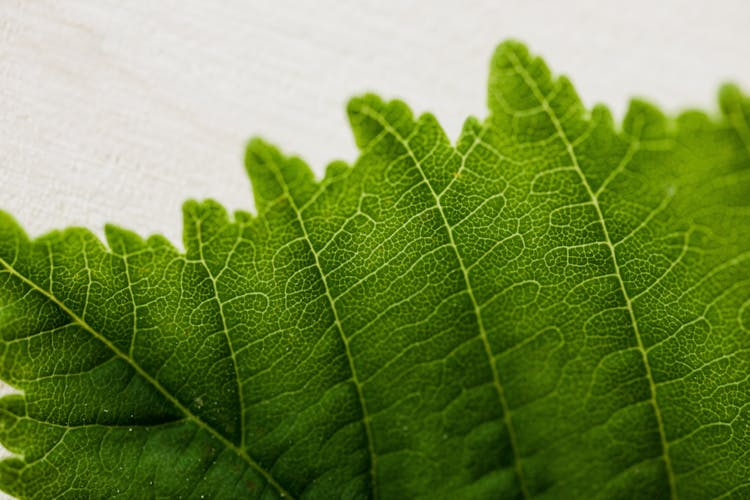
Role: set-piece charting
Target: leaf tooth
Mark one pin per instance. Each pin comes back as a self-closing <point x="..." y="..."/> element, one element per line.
<point x="644" y="121"/>
<point x="122" y="241"/>
<point x="272" y="175"/>
<point x="368" y="113"/>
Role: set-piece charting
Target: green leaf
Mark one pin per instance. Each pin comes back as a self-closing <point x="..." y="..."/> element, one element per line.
<point x="552" y="307"/>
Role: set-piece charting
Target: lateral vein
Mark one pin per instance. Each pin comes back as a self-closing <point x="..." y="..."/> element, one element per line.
<point x="613" y="254"/>
<point x="507" y="420"/>
<point x="339" y="327"/>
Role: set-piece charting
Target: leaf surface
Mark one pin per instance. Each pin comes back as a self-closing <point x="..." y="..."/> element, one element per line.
<point x="552" y="307"/>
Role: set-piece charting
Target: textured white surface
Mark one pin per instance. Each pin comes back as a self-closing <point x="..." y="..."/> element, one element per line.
<point x="118" y="111"/>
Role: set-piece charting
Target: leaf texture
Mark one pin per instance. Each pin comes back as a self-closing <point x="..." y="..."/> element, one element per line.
<point x="553" y="307"/>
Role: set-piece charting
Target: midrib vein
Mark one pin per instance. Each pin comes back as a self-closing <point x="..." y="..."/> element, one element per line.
<point x="613" y="254"/>
<point x="151" y="380"/>
<point x="507" y="420"/>
<point x="339" y="327"/>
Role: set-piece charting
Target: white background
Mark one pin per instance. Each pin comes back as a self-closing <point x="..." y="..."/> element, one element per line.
<point x="116" y="111"/>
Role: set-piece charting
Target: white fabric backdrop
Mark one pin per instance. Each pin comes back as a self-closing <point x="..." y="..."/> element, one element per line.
<point x="117" y="111"/>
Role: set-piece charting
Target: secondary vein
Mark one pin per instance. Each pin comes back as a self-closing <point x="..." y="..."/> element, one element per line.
<point x="507" y="420"/>
<point x="534" y="87"/>
<point x="225" y="328"/>
<point x="339" y="327"/>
